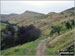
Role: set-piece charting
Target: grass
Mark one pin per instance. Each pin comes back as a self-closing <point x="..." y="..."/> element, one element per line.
<point x="25" y="49"/>
<point x="30" y="47"/>
<point x="45" y="30"/>
<point x="60" y="43"/>
<point x="3" y="25"/>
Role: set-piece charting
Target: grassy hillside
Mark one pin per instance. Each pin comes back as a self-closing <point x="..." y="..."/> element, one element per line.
<point x="61" y="42"/>
<point x="5" y="17"/>
<point x="25" y="49"/>
<point x="44" y="22"/>
<point x="55" y="44"/>
<point x="3" y="25"/>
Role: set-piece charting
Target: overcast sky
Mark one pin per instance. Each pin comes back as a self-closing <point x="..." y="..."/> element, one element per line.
<point x="8" y="7"/>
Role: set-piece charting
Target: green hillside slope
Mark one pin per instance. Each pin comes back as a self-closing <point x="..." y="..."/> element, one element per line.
<point x="25" y="49"/>
<point x="61" y="42"/>
<point x="2" y="26"/>
<point x="44" y="22"/>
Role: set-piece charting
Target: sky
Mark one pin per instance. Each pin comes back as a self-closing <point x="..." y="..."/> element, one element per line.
<point x="45" y="7"/>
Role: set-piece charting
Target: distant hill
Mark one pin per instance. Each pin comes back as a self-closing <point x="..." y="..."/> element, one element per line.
<point x="26" y="18"/>
<point x="71" y="9"/>
<point x="7" y="16"/>
<point x="31" y="13"/>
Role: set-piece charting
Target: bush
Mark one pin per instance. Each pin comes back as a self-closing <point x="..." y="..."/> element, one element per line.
<point x="68" y="25"/>
<point x="28" y="33"/>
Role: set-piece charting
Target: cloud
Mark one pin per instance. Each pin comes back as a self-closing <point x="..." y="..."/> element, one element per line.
<point x="37" y="6"/>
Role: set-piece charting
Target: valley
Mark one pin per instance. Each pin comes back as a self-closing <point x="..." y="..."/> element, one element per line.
<point x="27" y="33"/>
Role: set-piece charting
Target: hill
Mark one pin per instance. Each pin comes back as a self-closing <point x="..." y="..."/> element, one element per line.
<point x="42" y="21"/>
<point x="26" y="17"/>
<point x="70" y="10"/>
<point x="63" y="41"/>
<point x="25" y="49"/>
<point x="5" y="17"/>
<point x="46" y="23"/>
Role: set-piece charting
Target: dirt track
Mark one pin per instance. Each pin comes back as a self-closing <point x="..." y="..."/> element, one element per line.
<point x="41" y="48"/>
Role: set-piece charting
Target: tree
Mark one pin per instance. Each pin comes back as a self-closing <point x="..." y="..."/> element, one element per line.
<point x="10" y="29"/>
<point x="28" y="33"/>
<point x="12" y="38"/>
<point x="7" y="37"/>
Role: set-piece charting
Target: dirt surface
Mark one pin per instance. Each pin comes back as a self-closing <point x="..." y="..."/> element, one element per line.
<point x="41" y="48"/>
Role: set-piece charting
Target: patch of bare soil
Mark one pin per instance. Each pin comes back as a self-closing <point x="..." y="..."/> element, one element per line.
<point x="41" y="49"/>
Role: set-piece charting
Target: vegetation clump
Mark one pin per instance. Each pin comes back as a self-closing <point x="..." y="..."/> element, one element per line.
<point x="10" y="36"/>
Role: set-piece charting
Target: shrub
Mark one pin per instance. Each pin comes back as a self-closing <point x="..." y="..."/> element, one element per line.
<point x="28" y="33"/>
<point x="57" y="28"/>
